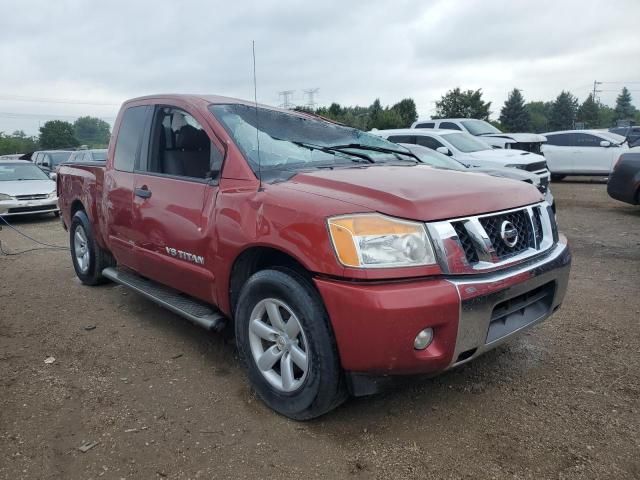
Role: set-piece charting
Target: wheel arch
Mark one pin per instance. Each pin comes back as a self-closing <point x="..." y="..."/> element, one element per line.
<point x="257" y="258"/>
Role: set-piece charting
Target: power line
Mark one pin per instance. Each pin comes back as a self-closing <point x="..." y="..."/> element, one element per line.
<point x="311" y="93"/>
<point x="36" y="116"/>
<point x="286" y="95"/>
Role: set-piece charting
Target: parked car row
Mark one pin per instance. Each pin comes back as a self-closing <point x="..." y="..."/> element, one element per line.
<point x="570" y="152"/>
<point x="28" y="186"/>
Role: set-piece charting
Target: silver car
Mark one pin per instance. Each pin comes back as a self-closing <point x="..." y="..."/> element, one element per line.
<point x="26" y="189"/>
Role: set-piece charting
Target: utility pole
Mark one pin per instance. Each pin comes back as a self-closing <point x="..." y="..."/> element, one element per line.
<point x="311" y="92"/>
<point x="595" y="89"/>
<point x="285" y="96"/>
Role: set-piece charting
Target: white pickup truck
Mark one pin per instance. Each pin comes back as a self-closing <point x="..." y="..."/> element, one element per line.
<point x="529" y="142"/>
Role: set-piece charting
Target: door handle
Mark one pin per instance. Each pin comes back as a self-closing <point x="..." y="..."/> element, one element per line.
<point x="143" y="192"/>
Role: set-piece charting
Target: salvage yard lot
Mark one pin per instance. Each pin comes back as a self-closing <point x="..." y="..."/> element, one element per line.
<point x="165" y="399"/>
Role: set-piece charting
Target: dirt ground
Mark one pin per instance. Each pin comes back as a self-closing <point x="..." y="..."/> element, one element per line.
<point x="165" y="399"/>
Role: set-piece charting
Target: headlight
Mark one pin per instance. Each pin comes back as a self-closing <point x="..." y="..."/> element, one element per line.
<point x="4" y="196"/>
<point x="53" y="194"/>
<point x="378" y="241"/>
<point x="519" y="167"/>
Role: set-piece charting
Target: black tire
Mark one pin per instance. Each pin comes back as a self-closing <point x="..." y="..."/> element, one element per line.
<point x="323" y="387"/>
<point x="557" y="177"/>
<point x="98" y="259"/>
<point x="56" y="214"/>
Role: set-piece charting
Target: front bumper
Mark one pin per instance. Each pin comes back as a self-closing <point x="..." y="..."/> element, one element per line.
<point x="28" y="207"/>
<point x="375" y="324"/>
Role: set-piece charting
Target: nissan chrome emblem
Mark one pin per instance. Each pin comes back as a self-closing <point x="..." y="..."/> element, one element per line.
<point x="509" y="234"/>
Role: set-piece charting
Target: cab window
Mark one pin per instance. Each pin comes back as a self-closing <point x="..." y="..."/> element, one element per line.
<point x="180" y="147"/>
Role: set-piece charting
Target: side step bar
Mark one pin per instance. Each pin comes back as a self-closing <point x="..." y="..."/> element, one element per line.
<point x="188" y="307"/>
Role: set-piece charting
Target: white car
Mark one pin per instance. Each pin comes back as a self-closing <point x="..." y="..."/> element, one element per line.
<point x="26" y="189"/>
<point x="469" y="150"/>
<point x="530" y="142"/>
<point x="582" y="152"/>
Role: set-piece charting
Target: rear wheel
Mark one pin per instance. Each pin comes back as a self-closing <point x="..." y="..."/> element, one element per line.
<point x="88" y="258"/>
<point x="286" y="344"/>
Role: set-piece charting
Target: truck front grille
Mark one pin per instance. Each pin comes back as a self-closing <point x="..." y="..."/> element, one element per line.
<point x="533" y="147"/>
<point x="488" y="242"/>
<point x="520" y="221"/>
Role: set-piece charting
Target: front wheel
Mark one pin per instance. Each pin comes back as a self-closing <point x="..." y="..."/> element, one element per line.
<point x="285" y="341"/>
<point x="557" y="177"/>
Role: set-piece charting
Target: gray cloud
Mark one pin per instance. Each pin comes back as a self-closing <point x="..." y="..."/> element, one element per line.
<point x="105" y="52"/>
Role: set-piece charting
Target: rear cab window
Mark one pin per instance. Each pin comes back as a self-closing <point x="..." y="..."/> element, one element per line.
<point x="426" y="125"/>
<point x="129" y="138"/>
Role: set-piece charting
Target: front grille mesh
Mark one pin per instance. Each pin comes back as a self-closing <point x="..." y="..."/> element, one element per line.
<point x="521" y="222"/>
<point x="465" y="241"/>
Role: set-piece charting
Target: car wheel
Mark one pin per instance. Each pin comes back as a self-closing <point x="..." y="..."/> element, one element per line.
<point x="287" y="346"/>
<point x="557" y="177"/>
<point x="88" y="258"/>
<point x="56" y="214"/>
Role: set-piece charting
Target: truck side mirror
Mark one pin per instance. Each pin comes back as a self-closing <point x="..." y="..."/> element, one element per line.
<point x="444" y="151"/>
<point x="605" y="143"/>
<point x="45" y="164"/>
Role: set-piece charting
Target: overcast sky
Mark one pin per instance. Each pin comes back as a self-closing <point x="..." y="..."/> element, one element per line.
<point x="89" y="56"/>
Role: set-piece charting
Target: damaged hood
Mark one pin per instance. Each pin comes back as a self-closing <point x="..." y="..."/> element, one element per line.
<point x="415" y="192"/>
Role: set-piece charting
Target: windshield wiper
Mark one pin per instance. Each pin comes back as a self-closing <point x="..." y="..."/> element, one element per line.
<point x="323" y="148"/>
<point x="374" y="149"/>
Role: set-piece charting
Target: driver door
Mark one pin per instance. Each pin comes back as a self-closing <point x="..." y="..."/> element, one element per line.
<point x="175" y="189"/>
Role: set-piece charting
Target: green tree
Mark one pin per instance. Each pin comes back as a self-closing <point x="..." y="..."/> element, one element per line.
<point x="539" y="116"/>
<point x="589" y="112"/>
<point x="91" y="131"/>
<point x="606" y="116"/>
<point x="17" y="142"/>
<point x="407" y="111"/>
<point x="624" y="109"/>
<point x="458" y="104"/>
<point x="563" y="112"/>
<point x="514" y="117"/>
<point x="57" y="134"/>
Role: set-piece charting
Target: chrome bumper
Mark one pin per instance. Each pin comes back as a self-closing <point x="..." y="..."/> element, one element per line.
<point x="497" y="306"/>
<point x="28" y="207"/>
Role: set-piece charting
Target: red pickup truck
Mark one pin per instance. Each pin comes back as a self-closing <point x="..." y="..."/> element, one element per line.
<point x="339" y="260"/>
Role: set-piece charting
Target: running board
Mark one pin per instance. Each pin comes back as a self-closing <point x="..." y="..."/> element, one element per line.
<point x="188" y="307"/>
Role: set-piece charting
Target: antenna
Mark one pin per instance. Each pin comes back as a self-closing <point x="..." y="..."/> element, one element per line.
<point x="255" y="99"/>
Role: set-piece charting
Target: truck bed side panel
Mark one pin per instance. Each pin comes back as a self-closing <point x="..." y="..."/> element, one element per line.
<point x="83" y="184"/>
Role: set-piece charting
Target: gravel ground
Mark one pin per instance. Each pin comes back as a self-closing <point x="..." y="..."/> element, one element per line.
<point x="164" y="399"/>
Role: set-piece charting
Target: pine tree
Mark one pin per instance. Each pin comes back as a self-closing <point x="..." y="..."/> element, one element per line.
<point x="563" y="112"/>
<point x="514" y="117"/>
<point x="589" y="112"/>
<point x="624" y="109"/>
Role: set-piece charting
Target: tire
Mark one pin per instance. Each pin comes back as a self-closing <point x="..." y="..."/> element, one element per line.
<point x="56" y="214"/>
<point x="311" y="392"/>
<point x="557" y="177"/>
<point x="94" y="258"/>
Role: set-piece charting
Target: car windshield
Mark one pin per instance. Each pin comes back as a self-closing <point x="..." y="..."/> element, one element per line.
<point x="433" y="158"/>
<point x="292" y="141"/>
<point x="59" y="157"/>
<point x="466" y="143"/>
<point x="479" y="127"/>
<point x="21" y="171"/>
<point x="99" y="155"/>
